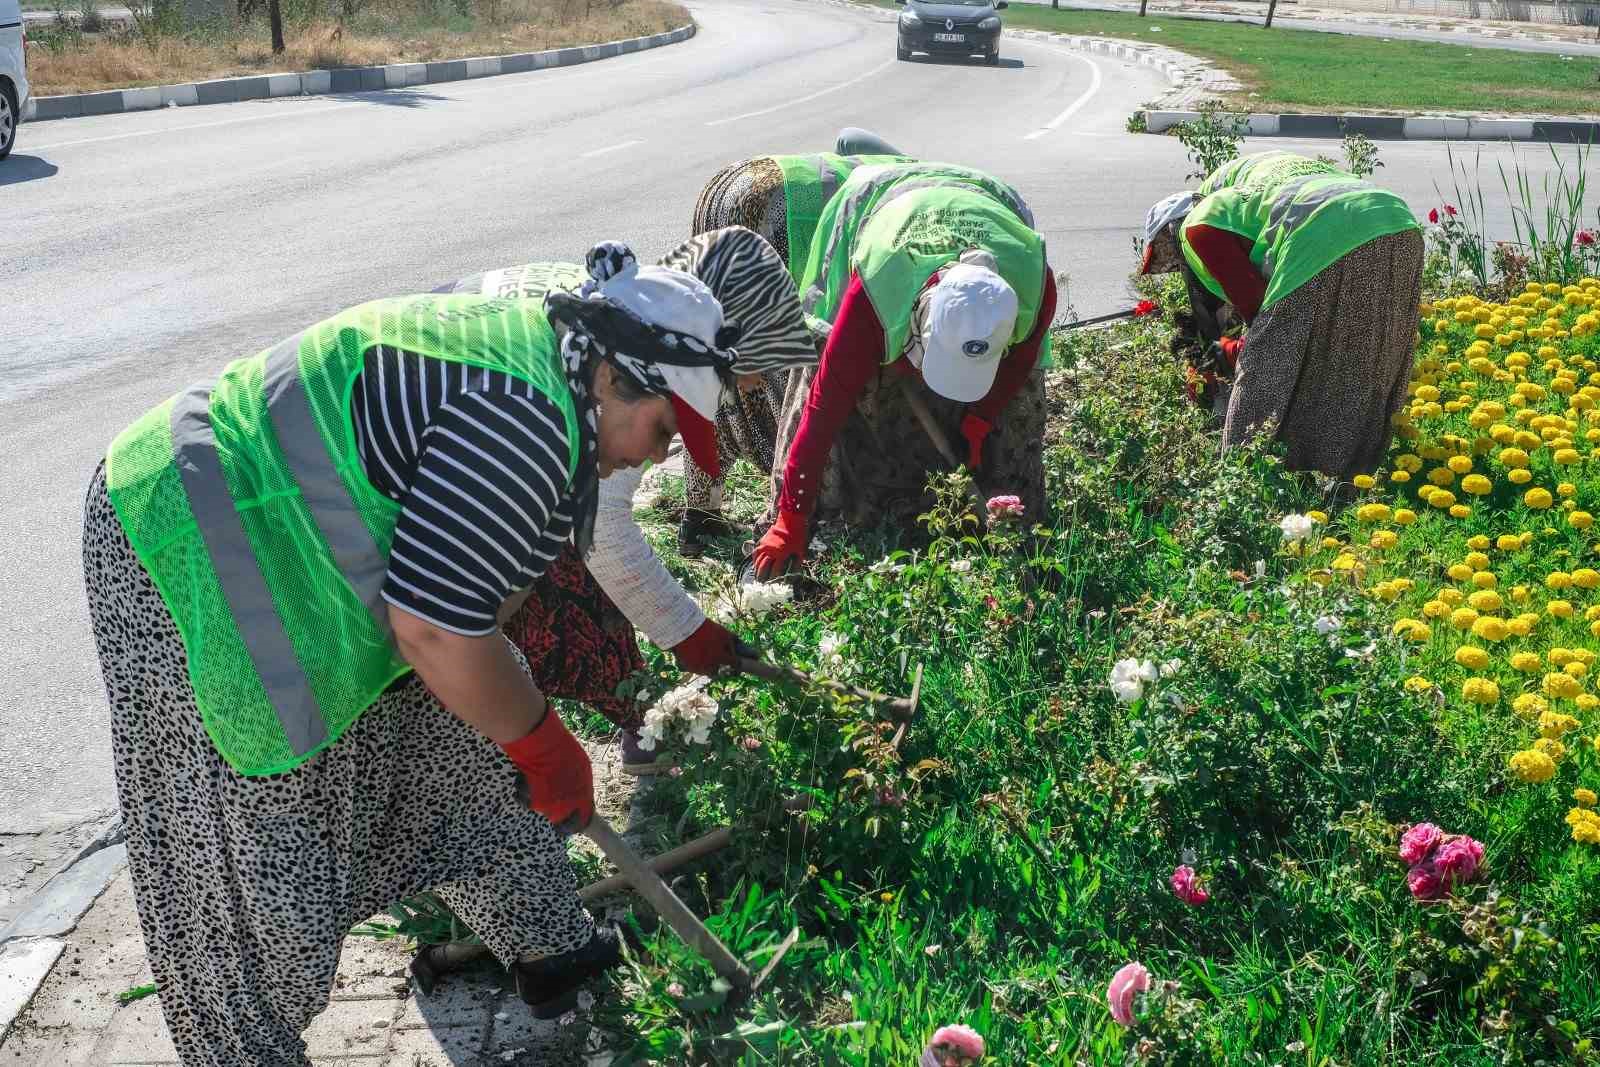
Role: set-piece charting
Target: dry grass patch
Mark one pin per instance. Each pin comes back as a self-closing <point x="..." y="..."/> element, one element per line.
<point x="119" y="59"/>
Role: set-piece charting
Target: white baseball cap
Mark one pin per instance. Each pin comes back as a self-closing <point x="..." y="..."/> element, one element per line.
<point x="965" y="326"/>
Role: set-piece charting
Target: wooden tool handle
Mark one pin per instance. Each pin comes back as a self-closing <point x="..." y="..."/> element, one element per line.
<point x="650" y="885"/>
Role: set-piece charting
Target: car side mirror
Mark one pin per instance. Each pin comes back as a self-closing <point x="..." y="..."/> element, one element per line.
<point x="1000" y="5"/>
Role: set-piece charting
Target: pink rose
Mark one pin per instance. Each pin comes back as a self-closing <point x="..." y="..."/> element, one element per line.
<point x="1419" y="842"/>
<point x="1425" y="882"/>
<point x="1458" y="859"/>
<point x="1127" y="983"/>
<point x="1186" y="886"/>
<point x="1433" y="216"/>
<point x="1584" y="238"/>
<point x="1005" y="507"/>
<point x="952" y="1046"/>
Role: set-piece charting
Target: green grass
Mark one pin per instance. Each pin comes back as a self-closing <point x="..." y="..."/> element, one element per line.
<point x="1297" y="70"/>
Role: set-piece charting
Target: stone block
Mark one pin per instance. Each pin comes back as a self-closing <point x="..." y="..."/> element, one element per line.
<point x="316" y="82"/>
<point x="284" y="85"/>
<point x="109" y="103"/>
<point x="185" y="95"/>
<point x="146" y="99"/>
<point x="1500" y="129"/>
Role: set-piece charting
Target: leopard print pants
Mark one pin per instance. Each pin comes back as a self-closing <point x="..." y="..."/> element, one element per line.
<point x="246" y="886"/>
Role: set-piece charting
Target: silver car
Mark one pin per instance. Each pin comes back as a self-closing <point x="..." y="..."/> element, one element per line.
<point x="13" y="73"/>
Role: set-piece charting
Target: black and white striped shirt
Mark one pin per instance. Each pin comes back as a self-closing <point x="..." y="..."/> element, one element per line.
<point x="478" y="462"/>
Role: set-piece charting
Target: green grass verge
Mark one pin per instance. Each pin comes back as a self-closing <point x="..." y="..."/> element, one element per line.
<point x="1298" y="70"/>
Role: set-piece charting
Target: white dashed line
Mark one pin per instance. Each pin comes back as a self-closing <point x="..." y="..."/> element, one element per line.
<point x="612" y="148"/>
<point x="1072" y="109"/>
<point x="804" y="99"/>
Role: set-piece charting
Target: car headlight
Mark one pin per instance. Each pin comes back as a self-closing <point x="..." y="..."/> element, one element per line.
<point x="909" y="19"/>
<point x="990" y="23"/>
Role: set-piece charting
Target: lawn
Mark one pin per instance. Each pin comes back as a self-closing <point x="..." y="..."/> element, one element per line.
<point x="1200" y="672"/>
<point x="1297" y="70"/>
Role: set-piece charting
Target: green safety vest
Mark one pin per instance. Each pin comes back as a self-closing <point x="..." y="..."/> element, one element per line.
<point x="809" y="182"/>
<point x="531" y="281"/>
<point x="1297" y="227"/>
<point x="1263" y="168"/>
<point x="895" y="224"/>
<point x="247" y="502"/>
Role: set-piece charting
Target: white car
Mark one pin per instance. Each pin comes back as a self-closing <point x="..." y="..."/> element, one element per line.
<point x="13" y="73"/>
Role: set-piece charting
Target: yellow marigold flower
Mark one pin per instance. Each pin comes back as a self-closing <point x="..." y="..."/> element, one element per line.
<point x="1413" y="630"/>
<point x="1526" y="662"/>
<point x="1538" y="498"/>
<point x="1520" y="476"/>
<point x="1459" y="464"/>
<point x="1344" y="562"/>
<point x="1500" y="433"/>
<point x="1384" y="539"/>
<point x="1454" y="597"/>
<point x="1480" y="691"/>
<point x="1560" y="657"/>
<point x="1484" y="579"/>
<point x="1385" y="591"/>
<point x="1580" y="520"/>
<point x="1527" y="538"/>
<point x="1490" y="628"/>
<point x="1399" y="477"/>
<point x="1567" y="456"/>
<point x="1331" y="542"/>
<point x="1533" y="766"/>
<point x="1513" y="457"/>
<point x="1485" y="600"/>
<point x="1408" y="461"/>
<point x="1442" y="476"/>
<point x="1477" y="561"/>
<point x="1317" y="516"/>
<point x="1561" y="609"/>
<point x="1555" y="725"/>
<point x="1594" y="628"/>
<point x="1550" y="747"/>
<point x="1586" y="702"/>
<point x="1364" y="481"/>
<point x="1530" y="705"/>
<point x="1372" y="512"/>
<point x="1463" y="618"/>
<point x="1558" y="580"/>
<point x="1472" y="657"/>
<point x="1477" y="485"/>
<point x="1586" y="578"/>
<point x="1561" y="686"/>
<point x="1442" y="499"/>
<point x="1438" y="609"/>
<point x="1425" y="393"/>
<point x="1480" y="543"/>
<point x="1459" y="572"/>
<point x="1508" y="542"/>
<point x="1417" y="684"/>
<point x="1584" y="831"/>
<point x="1520" y="626"/>
<point x="1585" y="798"/>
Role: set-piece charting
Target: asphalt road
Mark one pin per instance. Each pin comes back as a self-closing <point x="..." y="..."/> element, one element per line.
<point x="143" y="251"/>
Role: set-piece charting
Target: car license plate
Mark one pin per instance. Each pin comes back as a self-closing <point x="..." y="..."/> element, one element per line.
<point x="949" y="38"/>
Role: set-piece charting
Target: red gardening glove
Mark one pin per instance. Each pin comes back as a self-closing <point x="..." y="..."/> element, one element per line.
<point x="706" y="650"/>
<point x="783" y="544"/>
<point x="1231" y="347"/>
<point x="975" y="429"/>
<point x="556" y="771"/>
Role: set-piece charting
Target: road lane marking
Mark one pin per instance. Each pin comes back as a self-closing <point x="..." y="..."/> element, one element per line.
<point x="804" y="99"/>
<point x="191" y="126"/>
<point x="612" y="148"/>
<point x="1072" y="109"/>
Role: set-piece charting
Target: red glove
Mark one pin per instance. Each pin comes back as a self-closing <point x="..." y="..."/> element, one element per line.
<point x="1231" y="347"/>
<point x="975" y="429"/>
<point x="782" y="545"/>
<point x="556" y="770"/>
<point x="707" y="649"/>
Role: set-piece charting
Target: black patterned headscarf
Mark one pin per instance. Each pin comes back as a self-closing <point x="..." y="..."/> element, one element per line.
<point x="664" y="329"/>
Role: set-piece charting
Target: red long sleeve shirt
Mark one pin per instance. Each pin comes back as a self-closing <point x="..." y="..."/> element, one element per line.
<point x="851" y="357"/>
<point x="1227" y="257"/>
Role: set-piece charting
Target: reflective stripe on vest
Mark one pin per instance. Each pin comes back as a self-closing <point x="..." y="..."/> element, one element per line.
<point x="194" y="449"/>
<point x="850" y="212"/>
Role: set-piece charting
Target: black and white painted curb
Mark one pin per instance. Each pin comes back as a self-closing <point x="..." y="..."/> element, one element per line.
<point x="1401" y="127"/>
<point x="345" y="80"/>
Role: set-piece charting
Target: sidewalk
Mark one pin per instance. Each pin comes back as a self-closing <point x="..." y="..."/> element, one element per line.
<point x="376" y="1018"/>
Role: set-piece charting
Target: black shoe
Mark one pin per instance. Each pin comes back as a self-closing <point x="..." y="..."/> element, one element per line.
<point x="550" y="986"/>
<point x="698" y="527"/>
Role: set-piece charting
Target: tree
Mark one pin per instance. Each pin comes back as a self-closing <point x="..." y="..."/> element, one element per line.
<point x="275" y="15"/>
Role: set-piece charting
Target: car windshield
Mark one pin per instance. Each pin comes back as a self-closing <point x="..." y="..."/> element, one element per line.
<point x="960" y="3"/>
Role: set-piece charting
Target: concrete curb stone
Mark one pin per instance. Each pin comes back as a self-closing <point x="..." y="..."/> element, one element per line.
<point x="1401" y="127"/>
<point x="342" y="80"/>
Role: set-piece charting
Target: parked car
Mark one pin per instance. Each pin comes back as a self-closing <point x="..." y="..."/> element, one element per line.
<point x="13" y="73"/>
<point x="950" y="28"/>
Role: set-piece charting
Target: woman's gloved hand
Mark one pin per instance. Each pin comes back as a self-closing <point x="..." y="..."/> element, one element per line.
<point x="782" y="545"/>
<point x="975" y="429"/>
<point x="707" y="650"/>
<point x="556" y="773"/>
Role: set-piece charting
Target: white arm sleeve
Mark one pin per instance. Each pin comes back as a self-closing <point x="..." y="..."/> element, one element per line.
<point x="635" y="580"/>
